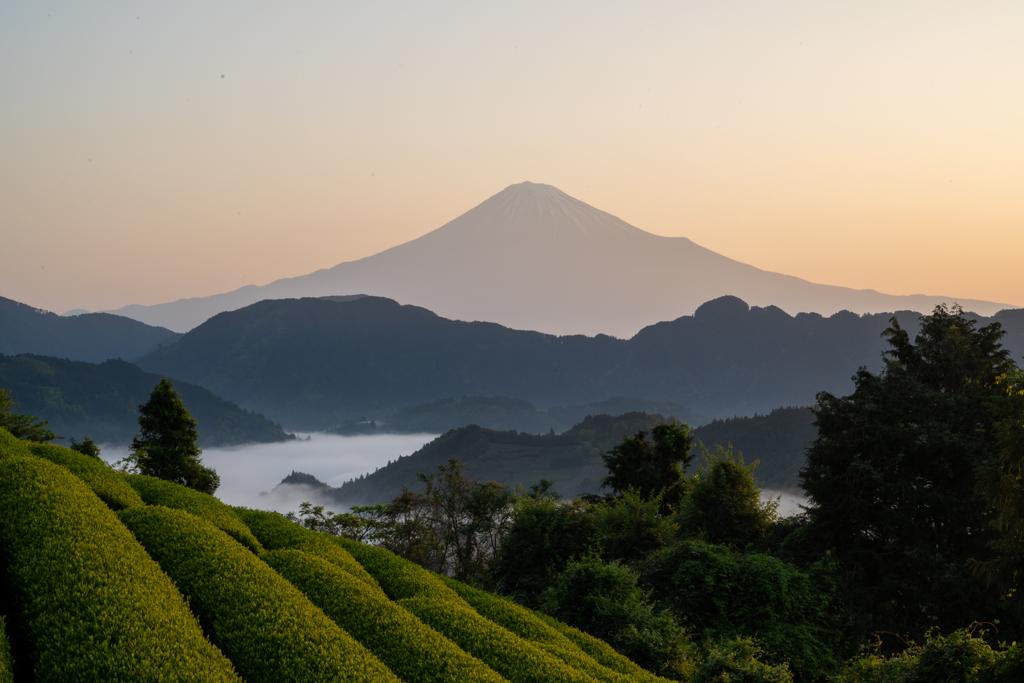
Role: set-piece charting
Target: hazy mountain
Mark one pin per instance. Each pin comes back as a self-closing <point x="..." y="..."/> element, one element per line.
<point x="102" y="401"/>
<point x="572" y="459"/>
<point x="314" y="364"/>
<point x="532" y="257"/>
<point x="92" y="337"/>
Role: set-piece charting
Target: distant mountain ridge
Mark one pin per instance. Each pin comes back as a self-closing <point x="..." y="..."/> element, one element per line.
<point x="314" y="364"/>
<point x="531" y="257"/>
<point x="102" y="402"/>
<point x="92" y="337"/>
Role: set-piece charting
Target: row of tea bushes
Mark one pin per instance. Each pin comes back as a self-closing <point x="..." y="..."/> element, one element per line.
<point x="414" y="651"/>
<point x="6" y="662"/>
<point x="96" y="605"/>
<point x="156" y="491"/>
<point x="525" y="624"/>
<point x="105" y="482"/>
<point x="277" y="533"/>
<point x="269" y="629"/>
<point x="599" y="650"/>
<point x="423" y="594"/>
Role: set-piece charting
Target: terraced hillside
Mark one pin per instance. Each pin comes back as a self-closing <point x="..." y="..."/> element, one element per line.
<point x="107" y="576"/>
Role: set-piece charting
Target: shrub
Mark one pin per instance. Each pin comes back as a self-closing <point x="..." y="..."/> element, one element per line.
<point x="960" y="657"/>
<point x="525" y="624"/>
<point x="263" y="623"/>
<point x="276" y="532"/>
<point x="601" y="651"/>
<point x="413" y="650"/>
<point x="424" y="594"/>
<point x="737" y="661"/>
<point x="605" y="600"/>
<point x="6" y="663"/>
<point x="105" y="482"/>
<point x="160" y="492"/>
<point x="94" y="603"/>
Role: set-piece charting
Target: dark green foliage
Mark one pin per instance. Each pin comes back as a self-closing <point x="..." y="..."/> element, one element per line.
<point x="159" y="492"/>
<point x="6" y="661"/>
<point x="892" y="478"/>
<point x="738" y="661"/>
<point x="961" y="657"/>
<point x="724" y="503"/>
<point x="86" y="447"/>
<point x="106" y="483"/>
<point x="275" y="532"/>
<point x="631" y="527"/>
<point x="96" y="606"/>
<point x="92" y="337"/>
<point x="723" y="594"/>
<point x="606" y="601"/>
<point x="527" y="625"/>
<point x="544" y="535"/>
<point x="27" y="427"/>
<point x="166" y="447"/>
<point x="412" y="650"/>
<point x="651" y="466"/>
<point x="103" y="400"/>
<point x="265" y="625"/>
<point x="1001" y="485"/>
<point x="777" y="440"/>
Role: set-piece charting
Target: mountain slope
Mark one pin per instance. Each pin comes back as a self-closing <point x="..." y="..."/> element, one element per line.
<point x="313" y="364"/>
<point x="531" y="257"/>
<point x="102" y="401"/>
<point x="92" y="337"/>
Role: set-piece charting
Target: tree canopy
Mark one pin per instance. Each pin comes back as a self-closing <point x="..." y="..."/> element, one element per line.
<point x="26" y="427"/>
<point x="651" y="466"/>
<point x="166" y="445"/>
<point x="893" y="482"/>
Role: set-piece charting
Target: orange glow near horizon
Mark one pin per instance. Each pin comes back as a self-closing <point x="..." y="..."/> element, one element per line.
<point x="186" y="152"/>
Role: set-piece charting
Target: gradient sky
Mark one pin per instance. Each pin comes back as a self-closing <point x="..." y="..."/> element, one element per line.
<point x="154" y="151"/>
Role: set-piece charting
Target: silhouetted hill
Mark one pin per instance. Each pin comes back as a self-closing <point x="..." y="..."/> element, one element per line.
<point x="532" y="257"/>
<point x="572" y="459"/>
<point x="315" y="364"/>
<point x="502" y="413"/>
<point x="102" y="401"/>
<point x="92" y="337"/>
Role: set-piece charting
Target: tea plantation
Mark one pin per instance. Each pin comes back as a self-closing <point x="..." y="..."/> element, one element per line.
<point x="111" y="577"/>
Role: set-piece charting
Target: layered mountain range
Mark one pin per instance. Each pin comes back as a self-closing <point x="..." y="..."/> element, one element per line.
<point x="531" y="257"/>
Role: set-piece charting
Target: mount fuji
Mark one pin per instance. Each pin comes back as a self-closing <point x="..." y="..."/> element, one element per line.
<point x="532" y="257"/>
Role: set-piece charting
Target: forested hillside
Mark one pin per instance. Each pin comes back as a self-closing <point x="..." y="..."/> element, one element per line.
<point x="316" y="364"/>
<point x="93" y="337"/>
<point x="102" y="401"/>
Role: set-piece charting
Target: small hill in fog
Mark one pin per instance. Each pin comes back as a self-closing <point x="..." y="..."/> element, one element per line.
<point x="531" y="257"/>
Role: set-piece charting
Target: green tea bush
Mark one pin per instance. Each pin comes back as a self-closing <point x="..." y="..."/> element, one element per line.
<point x="413" y="650"/>
<point x="426" y="596"/>
<point x="105" y="482"/>
<point x="6" y="663"/>
<point x="270" y="630"/>
<point x="96" y="606"/>
<point x="276" y="532"/>
<point x="11" y="445"/>
<point x="601" y="651"/>
<point x="525" y="624"/>
<point x="160" y="492"/>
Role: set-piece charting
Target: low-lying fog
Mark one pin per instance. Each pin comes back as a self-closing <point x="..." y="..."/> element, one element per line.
<point x="247" y="471"/>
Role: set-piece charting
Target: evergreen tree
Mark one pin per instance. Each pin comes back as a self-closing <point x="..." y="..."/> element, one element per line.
<point x="651" y="466"/>
<point x="27" y="427"/>
<point x="892" y="477"/>
<point x="166" y="446"/>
